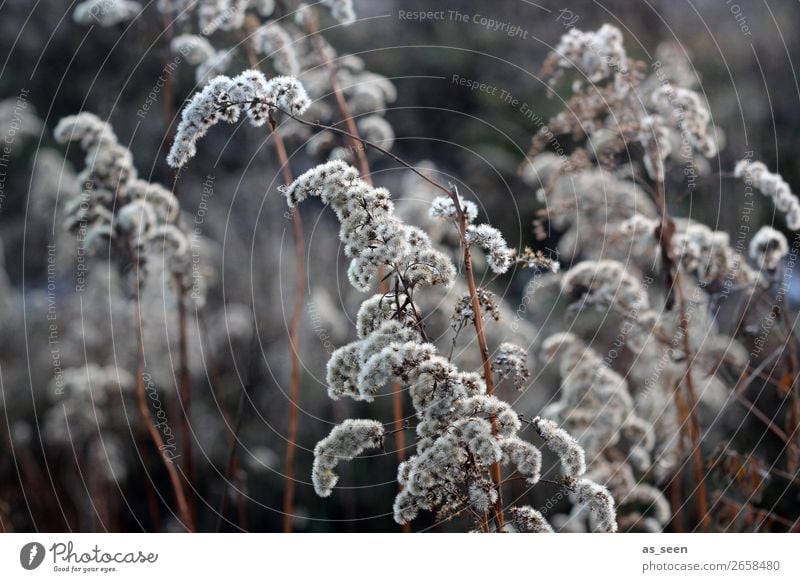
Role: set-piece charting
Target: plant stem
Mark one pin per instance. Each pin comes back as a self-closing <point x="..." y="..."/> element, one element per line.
<point x="294" y="329"/>
<point x="665" y="234"/>
<point x="294" y="392"/>
<point x="184" y="380"/>
<point x="144" y="411"/>
<point x="355" y="140"/>
<point x="364" y="170"/>
<point x="484" y="349"/>
<point x="366" y="143"/>
<point x="297" y="315"/>
<point x="790" y="382"/>
<point x="185" y="393"/>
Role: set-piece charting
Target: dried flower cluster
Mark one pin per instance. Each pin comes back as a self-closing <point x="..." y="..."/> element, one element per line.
<point x="341" y="10"/>
<point x="595" y="55"/>
<point x="625" y="406"/>
<point x="707" y="254"/>
<point x="768" y="247"/>
<point x="511" y="362"/>
<point x="198" y="51"/>
<point x="274" y="42"/>
<point x="373" y="236"/>
<point x="225" y="99"/>
<point x="462" y="431"/>
<point x="346" y="441"/>
<point x="644" y="270"/>
<point x="499" y="256"/>
<point x="756" y="175"/>
<point x="117" y="208"/>
<point x="604" y="284"/>
<point x="596" y="405"/>
<point x="105" y="12"/>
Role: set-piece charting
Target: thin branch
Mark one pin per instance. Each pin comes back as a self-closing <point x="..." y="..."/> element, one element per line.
<point x="144" y="411"/>
<point x="366" y="143"/>
<point x="333" y="76"/>
<point x="488" y="375"/>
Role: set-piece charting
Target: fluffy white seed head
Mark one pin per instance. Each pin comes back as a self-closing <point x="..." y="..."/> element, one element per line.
<point x="511" y="362"/>
<point x="596" y="55"/>
<point x="341" y="10"/>
<point x="444" y="208"/>
<point x="599" y="502"/>
<point x="105" y="12"/>
<point x="274" y="42"/>
<point x="345" y="442"/>
<point x="85" y="127"/>
<point x="499" y="256"/>
<point x="756" y="175"/>
<point x="528" y="520"/>
<point x="573" y="462"/>
<point x="604" y="283"/>
<point x="376" y="129"/>
<point x="195" y="49"/>
<point x="224" y="99"/>
<point x="526" y="457"/>
<point x="686" y="109"/>
<point x="650" y="501"/>
<point x="768" y="247"/>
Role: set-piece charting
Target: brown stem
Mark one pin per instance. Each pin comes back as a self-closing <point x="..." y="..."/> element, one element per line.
<point x="366" y="143"/>
<point x="676" y="483"/>
<point x="488" y="376"/>
<point x="294" y="329"/>
<point x="294" y="392"/>
<point x="185" y="385"/>
<point x="232" y="464"/>
<point x="319" y="45"/>
<point x="364" y="170"/>
<point x="144" y="411"/>
<point x="185" y="393"/>
<point x="168" y="93"/>
<point x="150" y="494"/>
<point x="294" y="326"/>
<point x="793" y="389"/>
<point x="665" y="234"/>
<point x="5" y="520"/>
<point x="694" y="421"/>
